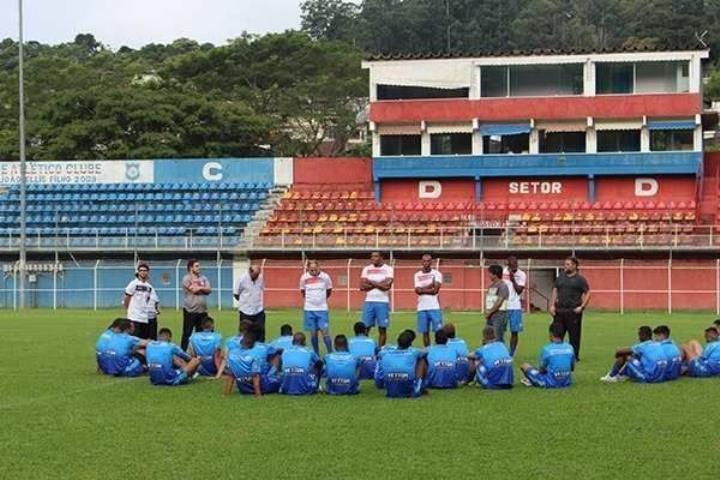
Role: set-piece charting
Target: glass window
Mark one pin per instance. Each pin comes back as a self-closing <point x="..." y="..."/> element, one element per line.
<point x="451" y="144"/>
<point x="671" y="140"/>
<point x="546" y="80"/>
<point x="614" y="78"/>
<point x="618" y="141"/>
<point x="393" y="92"/>
<point x="562" y="142"/>
<point x="658" y="77"/>
<point x="507" y="143"/>
<point x="493" y="81"/>
<point x="399" y="144"/>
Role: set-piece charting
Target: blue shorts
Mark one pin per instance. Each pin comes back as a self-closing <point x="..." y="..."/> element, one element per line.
<point x="699" y="368"/>
<point x="429" y="321"/>
<point x="546" y="380"/>
<point x="376" y="313"/>
<point x="133" y="369"/>
<point x="515" y="320"/>
<point x="316" y="320"/>
<point x="207" y="367"/>
<point x="500" y="378"/>
<point x="635" y="370"/>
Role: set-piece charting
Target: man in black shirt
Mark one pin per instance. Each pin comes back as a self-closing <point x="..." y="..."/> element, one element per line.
<point x="570" y="297"/>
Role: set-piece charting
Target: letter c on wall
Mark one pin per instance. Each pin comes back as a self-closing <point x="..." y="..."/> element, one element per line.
<point x="212" y="171"/>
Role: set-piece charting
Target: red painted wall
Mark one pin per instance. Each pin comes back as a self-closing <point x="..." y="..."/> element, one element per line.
<point x="332" y="170"/>
<point x="408" y="190"/>
<point x="675" y="188"/>
<point x="546" y="108"/>
<point x="535" y="189"/>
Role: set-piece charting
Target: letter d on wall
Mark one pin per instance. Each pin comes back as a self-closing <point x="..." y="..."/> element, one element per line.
<point x="429" y="189"/>
<point x="646" y="187"/>
<point x="212" y="171"/>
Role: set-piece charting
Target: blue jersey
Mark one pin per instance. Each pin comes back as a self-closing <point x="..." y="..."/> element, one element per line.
<point x="298" y="371"/>
<point x="495" y="368"/>
<point x="379" y="375"/>
<point x="204" y="345"/>
<point x="711" y="357"/>
<point x="117" y="354"/>
<point x="341" y="371"/>
<point x="281" y="343"/>
<point x="233" y="343"/>
<point x="244" y="363"/>
<point x="673" y="357"/>
<point x="399" y="372"/>
<point x="463" y="365"/>
<point x="364" y="349"/>
<point x="652" y="360"/>
<point x="558" y="360"/>
<point x="442" y="365"/>
<point x="160" y="358"/>
<point x="101" y="346"/>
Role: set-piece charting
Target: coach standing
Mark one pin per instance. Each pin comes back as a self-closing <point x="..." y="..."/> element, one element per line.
<point x="248" y="292"/>
<point x="570" y="297"/>
<point x="196" y="287"/>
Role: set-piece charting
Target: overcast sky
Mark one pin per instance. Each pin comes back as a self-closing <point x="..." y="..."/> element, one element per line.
<point x="138" y="22"/>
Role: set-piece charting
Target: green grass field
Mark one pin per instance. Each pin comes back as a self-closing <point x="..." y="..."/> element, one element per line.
<point x="60" y="419"/>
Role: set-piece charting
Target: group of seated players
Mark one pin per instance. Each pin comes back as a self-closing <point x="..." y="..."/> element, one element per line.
<point x="659" y="359"/>
<point x="287" y="366"/>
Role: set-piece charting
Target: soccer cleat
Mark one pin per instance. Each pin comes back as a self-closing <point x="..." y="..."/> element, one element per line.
<point x="622" y="378"/>
<point x="195" y="375"/>
<point x="526" y="382"/>
<point x="608" y="379"/>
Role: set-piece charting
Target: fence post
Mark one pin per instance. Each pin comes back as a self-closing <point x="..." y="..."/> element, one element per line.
<point x="348" y="283"/>
<point x="55" y="269"/>
<point x="15" y="273"/>
<point x="622" y="286"/>
<point x="95" y="284"/>
<point x="482" y="281"/>
<point x="669" y="283"/>
<point x="219" y="284"/>
<point x="392" y="290"/>
<point x="528" y="287"/>
<point x="177" y="285"/>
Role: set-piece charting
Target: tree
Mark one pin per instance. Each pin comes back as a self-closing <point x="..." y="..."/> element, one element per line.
<point x="329" y="19"/>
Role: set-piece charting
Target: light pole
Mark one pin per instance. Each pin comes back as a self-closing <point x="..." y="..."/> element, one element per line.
<point x="23" y="179"/>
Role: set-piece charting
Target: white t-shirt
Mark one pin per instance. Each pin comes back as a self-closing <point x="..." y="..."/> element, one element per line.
<point x="316" y="291"/>
<point x="141" y="294"/>
<point x="520" y="279"/>
<point x="377" y="274"/>
<point x="151" y="309"/>
<point x="250" y="294"/>
<point x="423" y="279"/>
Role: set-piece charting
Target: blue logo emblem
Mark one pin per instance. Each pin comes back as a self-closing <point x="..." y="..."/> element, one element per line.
<point x="132" y="171"/>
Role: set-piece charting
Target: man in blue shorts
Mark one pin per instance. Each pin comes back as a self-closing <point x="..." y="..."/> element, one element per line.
<point x="364" y="349"/>
<point x="341" y="369"/>
<point x="253" y="367"/>
<point x="703" y="363"/>
<point x="316" y="288"/>
<point x="517" y="279"/>
<point x="169" y="364"/>
<point x="673" y="355"/>
<point x="376" y="279"/>
<point x="233" y="343"/>
<point x="119" y="353"/>
<point x="557" y="361"/>
<point x="207" y="346"/>
<point x="460" y="346"/>
<point x="285" y="339"/>
<point x="427" y="286"/>
<point x="643" y="362"/>
<point x="104" y="340"/>
<point x="301" y="368"/>
<point x="403" y="368"/>
<point x="441" y="363"/>
<point x="492" y="363"/>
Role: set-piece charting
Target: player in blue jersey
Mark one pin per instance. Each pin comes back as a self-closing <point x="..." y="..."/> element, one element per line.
<point x="491" y="364"/>
<point x="403" y="368"/>
<point x="364" y="349"/>
<point x="301" y="368"/>
<point x="207" y="346"/>
<point x="104" y="340"/>
<point x="557" y="361"/>
<point x="120" y="353"/>
<point x="441" y="363"/>
<point x="253" y="367"/>
<point x="673" y="355"/>
<point x="462" y="368"/>
<point x="341" y="369"/>
<point x="703" y="362"/>
<point x="169" y="364"/>
<point x="285" y="339"/>
<point x="643" y="362"/>
<point x="230" y="344"/>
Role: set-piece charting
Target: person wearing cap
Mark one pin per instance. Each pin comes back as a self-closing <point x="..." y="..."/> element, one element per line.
<point x="139" y="294"/>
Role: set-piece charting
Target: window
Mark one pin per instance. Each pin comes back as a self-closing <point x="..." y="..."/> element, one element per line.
<point x="506" y="143"/>
<point x="399" y="144"/>
<point x="493" y="82"/>
<point x="670" y="140"/>
<point x="642" y="77"/>
<point x="618" y="141"/>
<point x="562" y="142"/>
<point x="393" y="92"/>
<point x="451" y="144"/>
<point x="614" y="78"/>
<point x="546" y="80"/>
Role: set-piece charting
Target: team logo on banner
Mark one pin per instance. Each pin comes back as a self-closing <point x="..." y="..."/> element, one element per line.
<point x="132" y="171"/>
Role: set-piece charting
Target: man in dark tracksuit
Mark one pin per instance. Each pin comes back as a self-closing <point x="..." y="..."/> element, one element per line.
<point x="570" y="297"/>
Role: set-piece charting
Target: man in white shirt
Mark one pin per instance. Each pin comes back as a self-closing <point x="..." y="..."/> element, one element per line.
<point x="517" y="280"/>
<point x="376" y="279"/>
<point x="316" y="288"/>
<point x="248" y="292"/>
<point x="427" y="286"/>
<point x="138" y="294"/>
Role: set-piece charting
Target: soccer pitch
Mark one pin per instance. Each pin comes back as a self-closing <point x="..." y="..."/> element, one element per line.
<point x="60" y="419"/>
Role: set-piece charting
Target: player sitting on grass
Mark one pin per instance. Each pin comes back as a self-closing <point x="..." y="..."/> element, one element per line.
<point x="403" y="368"/>
<point x="285" y="339"/>
<point x="341" y="369"/>
<point x="207" y="346"/>
<point x="118" y="352"/>
<point x="254" y="366"/>
<point x="491" y="364"/>
<point x="643" y="362"/>
<point x="557" y="361"/>
<point x="301" y="368"/>
<point x="701" y="362"/>
<point x="364" y="349"/>
<point x="441" y="363"/>
<point x="231" y="343"/>
<point x="459" y="345"/>
<point x="673" y="355"/>
<point x="167" y="363"/>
